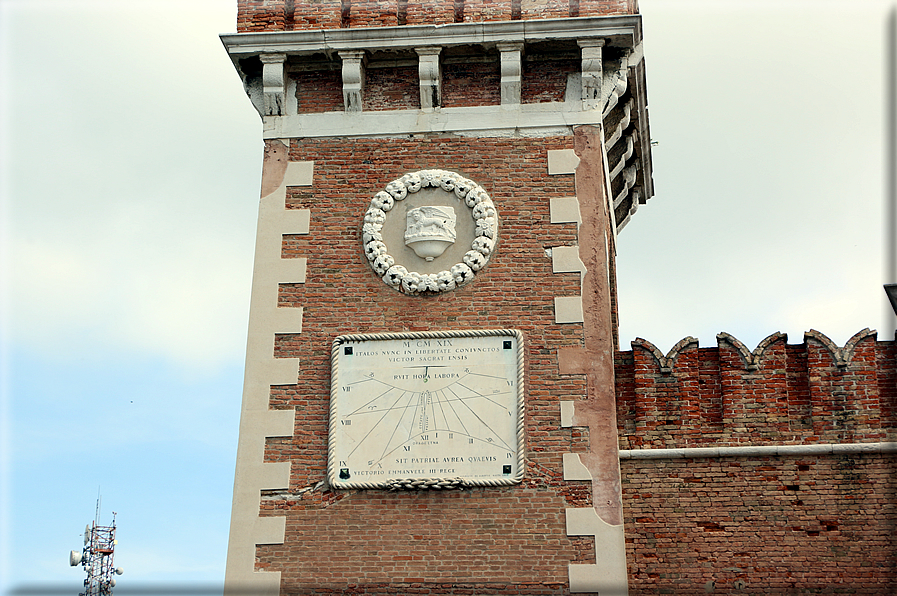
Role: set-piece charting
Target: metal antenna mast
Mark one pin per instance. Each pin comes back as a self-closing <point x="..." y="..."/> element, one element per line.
<point x="97" y="557"/>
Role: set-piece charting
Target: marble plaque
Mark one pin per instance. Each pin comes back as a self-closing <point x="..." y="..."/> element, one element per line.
<point x="432" y="410"/>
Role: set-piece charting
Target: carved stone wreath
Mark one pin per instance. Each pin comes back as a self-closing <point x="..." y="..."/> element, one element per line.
<point x="398" y="275"/>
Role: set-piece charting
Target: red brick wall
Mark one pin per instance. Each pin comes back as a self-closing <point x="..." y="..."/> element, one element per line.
<point x="785" y="525"/>
<point x="477" y="536"/>
<point x="286" y="15"/>
<point x="260" y="15"/>
<point x="471" y="84"/>
<point x="371" y="13"/>
<point x="430" y="12"/>
<point x="596" y="8"/>
<point x="508" y="538"/>
<point x="546" y="80"/>
<point x="804" y="525"/>
<point x="487" y="10"/>
<point x="319" y="91"/>
<point x="546" y="9"/>
<point x="391" y="89"/>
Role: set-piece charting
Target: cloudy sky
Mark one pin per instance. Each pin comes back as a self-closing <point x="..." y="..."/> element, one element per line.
<point x="129" y="174"/>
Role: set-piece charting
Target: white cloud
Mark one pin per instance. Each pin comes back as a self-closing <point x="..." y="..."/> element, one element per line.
<point x="134" y="281"/>
<point x="767" y="174"/>
<point x="132" y="197"/>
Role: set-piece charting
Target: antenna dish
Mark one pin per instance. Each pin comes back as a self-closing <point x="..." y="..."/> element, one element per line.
<point x="74" y="558"/>
<point x="119" y="570"/>
<point x="86" y="534"/>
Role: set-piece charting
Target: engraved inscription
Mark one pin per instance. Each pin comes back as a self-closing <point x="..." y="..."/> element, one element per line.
<point x="422" y="408"/>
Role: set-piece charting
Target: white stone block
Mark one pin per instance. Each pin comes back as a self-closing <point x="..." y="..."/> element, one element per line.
<point x="565" y="259"/>
<point x="568" y="309"/>
<point x="294" y="221"/>
<point x="564" y="210"/>
<point x="562" y="161"/>
<point x="574" y="469"/>
<point x="567" y="409"/>
<point x="299" y="173"/>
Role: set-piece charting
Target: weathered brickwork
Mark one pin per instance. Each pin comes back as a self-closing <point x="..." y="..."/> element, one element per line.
<point x="370" y="13"/>
<point x="798" y="394"/>
<point x="530" y="588"/>
<point x="471" y="84"/>
<point x="405" y="535"/>
<point x="594" y="8"/>
<point x="319" y="91"/>
<point x="261" y="15"/>
<point x="548" y="9"/>
<point x="886" y="377"/>
<point x="428" y="12"/>
<point x="546" y="80"/>
<point x="454" y="537"/>
<point x="819" y="525"/>
<point x="289" y="15"/>
<point x="487" y="10"/>
<point x="391" y="89"/>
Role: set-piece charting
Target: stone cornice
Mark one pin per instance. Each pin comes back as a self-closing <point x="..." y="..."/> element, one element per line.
<point x="609" y="88"/>
<point x="524" y="119"/>
<point x="616" y="31"/>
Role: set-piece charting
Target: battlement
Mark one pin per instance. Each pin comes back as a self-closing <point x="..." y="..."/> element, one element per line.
<point x="296" y="15"/>
<point x="813" y="392"/>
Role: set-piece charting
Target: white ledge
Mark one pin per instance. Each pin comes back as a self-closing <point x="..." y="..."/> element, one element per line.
<point x="544" y="119"/>
<point x="760" y="450"/>
<point x="617" y="30"/>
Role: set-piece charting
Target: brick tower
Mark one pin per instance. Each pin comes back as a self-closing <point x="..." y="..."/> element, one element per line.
<point x="429" y="402"/>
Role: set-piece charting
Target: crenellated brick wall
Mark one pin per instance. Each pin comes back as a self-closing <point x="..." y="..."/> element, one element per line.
<point x="792" y="524"/>
<point x="290" y="15"/>
<point x="812" y="392"/>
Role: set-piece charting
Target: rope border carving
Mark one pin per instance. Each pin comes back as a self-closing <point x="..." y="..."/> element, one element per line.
<point x="424" y="483"/>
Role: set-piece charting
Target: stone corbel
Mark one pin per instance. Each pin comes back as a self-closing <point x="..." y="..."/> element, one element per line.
<point x="511" y="70"/>
<point x="430" y="73"/>
<point x="592" y="72"/>
<point x="273" y="83"/>
<point x="353" y="79"/>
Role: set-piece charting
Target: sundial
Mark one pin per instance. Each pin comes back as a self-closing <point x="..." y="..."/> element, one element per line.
<point x="430" y="409"/>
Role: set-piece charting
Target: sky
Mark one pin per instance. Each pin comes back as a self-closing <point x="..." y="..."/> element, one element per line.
<point x="130" y="162"/>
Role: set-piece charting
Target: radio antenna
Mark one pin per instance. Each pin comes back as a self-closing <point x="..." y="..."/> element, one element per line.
<point x="97" y="556"/>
